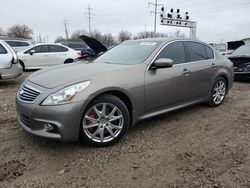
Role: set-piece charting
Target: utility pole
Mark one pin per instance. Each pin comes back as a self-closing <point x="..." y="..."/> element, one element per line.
<point x="155" y="12"/>
<point x="66" y="29"/>
<point x="89" y="14"/>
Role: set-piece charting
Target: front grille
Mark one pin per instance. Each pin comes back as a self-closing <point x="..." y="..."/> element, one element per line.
<point x="25" y="120"/>
<point x="28" y="93"/>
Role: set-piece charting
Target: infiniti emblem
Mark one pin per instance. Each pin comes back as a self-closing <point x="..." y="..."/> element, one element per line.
<point x="21" y="91"/>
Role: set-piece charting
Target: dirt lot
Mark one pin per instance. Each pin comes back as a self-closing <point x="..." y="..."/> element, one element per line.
<point x="194" y="147"/>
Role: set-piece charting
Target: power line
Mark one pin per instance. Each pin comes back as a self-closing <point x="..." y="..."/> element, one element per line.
<point x="89" y="16"/>
<point x="155" y="12"/>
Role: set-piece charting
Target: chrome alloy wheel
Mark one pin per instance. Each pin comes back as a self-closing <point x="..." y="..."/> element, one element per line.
<point x="103" y="122"/>
<point x="219" y="92"/>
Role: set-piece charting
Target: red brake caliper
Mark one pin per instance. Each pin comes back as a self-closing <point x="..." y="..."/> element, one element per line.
<point x="92" y="114"/>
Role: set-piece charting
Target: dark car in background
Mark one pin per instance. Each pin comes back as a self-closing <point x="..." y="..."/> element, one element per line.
<point x="80" y="46"/>
<point x="241" y="60"/>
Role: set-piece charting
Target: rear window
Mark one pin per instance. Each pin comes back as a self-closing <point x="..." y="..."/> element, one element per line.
<point x="2" y="50"/>
<point x="77" y="45"/>
<point x="17" y="43"/>
<point x="196" y="51"/>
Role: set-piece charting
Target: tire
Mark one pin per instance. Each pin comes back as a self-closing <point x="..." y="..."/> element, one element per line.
<point x="218" y="93"/>
<point x="68" y="61"/>
<point x="105" y="121"/>
<point x="22" y="64"/>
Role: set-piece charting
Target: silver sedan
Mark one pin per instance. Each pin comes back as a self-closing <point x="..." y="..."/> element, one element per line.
<point x="138" y="79"/>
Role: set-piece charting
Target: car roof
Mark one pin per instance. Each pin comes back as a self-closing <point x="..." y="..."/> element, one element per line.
<point x="166" y="39"/>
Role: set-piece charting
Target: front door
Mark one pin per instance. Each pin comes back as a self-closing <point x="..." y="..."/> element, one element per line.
<point x="167" y="87"/>
<point x="37" y="57"/>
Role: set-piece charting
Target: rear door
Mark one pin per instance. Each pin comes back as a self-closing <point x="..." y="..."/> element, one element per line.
<point x="167" y="87"/>
<point x="5" y="57"/>
<point x="202" y="65"/>
<point x="57" y="55"/>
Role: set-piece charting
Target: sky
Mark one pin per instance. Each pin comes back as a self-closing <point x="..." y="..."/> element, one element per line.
<point x="217" y="20"/>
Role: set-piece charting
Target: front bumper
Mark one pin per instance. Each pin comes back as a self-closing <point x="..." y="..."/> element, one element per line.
<point x="35" y="118"/>
<point x="242" y="75"/>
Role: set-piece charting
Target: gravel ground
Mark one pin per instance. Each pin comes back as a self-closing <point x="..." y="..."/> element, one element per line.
<point x="195" y="147"/>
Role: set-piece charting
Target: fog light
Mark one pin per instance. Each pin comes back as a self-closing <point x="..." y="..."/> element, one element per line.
<point x="48" y="127"/>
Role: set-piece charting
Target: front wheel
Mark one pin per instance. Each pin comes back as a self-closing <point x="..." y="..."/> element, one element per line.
<point x="105" y="121"/>
<point x="218" y="92"/>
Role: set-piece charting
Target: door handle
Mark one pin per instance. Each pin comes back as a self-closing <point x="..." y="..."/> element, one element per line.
<point x="213" y="65"/>
<point x="185" y="72"/>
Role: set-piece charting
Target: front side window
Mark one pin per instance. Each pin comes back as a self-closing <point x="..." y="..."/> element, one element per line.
<point x="196" y="51"/>
<point x="174" y="51"/>
<point x="57" y="48"/>
<point x="2" y="50"/>
<point x="39" y="49"/>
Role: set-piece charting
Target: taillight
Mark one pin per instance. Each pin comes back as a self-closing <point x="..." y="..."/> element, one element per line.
<point x="15" y="61"/>
<point x="78" y="53"/>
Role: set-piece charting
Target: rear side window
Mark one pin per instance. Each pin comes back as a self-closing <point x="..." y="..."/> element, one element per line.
<point x="210" y="52"/>
<point x="57" y="48"/>
<point x="12" y="43"/>
<point x="76" y="45"/>
<point x="174" y="51"/>
<point x="2" y="50"/>
<point x="23" y="44"/>
<point x="196" y="51"/>
<point x="17" y="43"/>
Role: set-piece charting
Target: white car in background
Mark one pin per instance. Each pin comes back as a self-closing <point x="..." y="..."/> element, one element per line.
<point x="9" y="65"/>
<point x="44" y="55"/>
<point x="18" y="45"/>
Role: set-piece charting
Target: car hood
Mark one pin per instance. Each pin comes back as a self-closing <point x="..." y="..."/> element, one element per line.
<point x="94" y="44"/>
<point x="239" y="60"/>
<point x="64" y="75"/>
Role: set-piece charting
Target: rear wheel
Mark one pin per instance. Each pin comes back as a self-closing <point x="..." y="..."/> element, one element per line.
<point x="105" y="121"/>
<point x="218" y="92"/>
<point x="68" y="61"/>
<point x="22" y="64"/>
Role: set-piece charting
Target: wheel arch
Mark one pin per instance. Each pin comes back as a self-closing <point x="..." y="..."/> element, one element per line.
<point x="22" y="64"/>
<point x="69" y="60"/>
<point x="223" y="75"/>
<point x="119" y="93"/>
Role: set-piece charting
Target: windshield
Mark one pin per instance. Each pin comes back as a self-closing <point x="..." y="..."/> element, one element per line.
<point x="128" y="53"/>
<point x="243" y="50"/>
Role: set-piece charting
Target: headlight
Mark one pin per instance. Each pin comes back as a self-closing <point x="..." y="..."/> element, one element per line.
<point x="65" y="95"/>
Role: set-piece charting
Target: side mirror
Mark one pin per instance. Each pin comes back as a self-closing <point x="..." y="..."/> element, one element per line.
<point x="162" y="63"/>
<point x="32" y="52"/>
